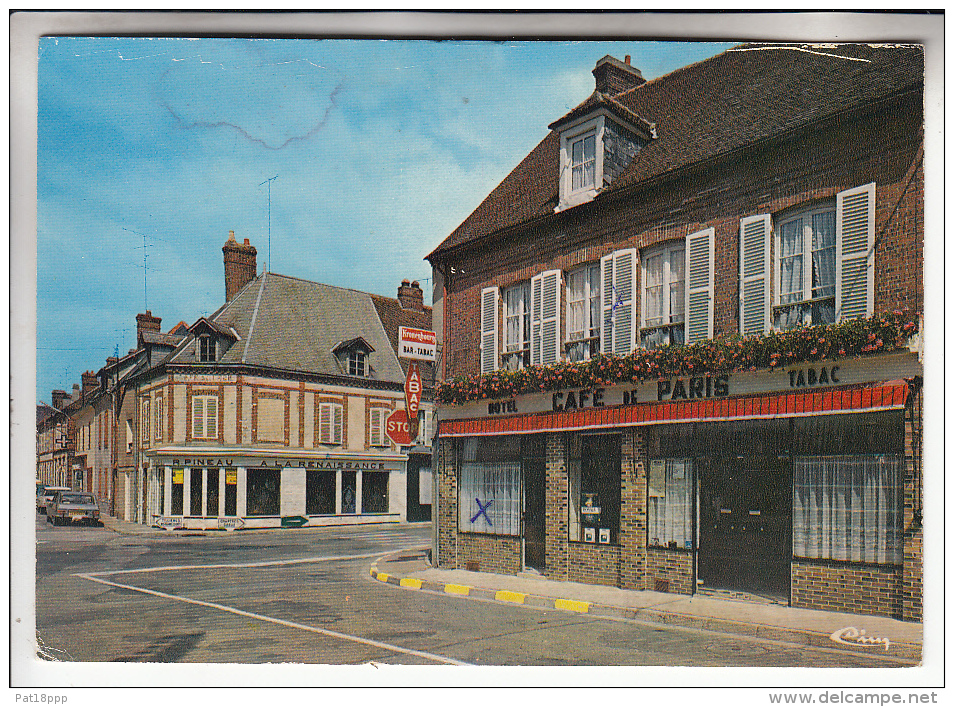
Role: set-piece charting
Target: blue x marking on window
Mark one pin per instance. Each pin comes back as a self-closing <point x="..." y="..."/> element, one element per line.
<point x="482" y="511"/>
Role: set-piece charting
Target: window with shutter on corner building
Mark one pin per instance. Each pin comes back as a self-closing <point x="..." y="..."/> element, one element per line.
<point x="205" y="417"/>
<point x="330" y="423"/>
<point x="516" y="302"/>
<point x="663" y="295"/>
<point x="583" y="313"/>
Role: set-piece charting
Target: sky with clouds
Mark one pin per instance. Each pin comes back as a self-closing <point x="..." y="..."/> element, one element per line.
<point x="157" y="147"/>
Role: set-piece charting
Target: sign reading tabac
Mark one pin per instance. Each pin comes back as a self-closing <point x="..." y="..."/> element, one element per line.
<point x="412" y="390"/>
<point x="418" y="344"/>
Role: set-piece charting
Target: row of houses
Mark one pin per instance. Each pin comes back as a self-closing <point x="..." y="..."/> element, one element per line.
<point x="682" y="338"/>
<point x="269" y="411"/>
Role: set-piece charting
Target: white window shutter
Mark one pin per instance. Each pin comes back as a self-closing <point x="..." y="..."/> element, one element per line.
<point x="211" y="417"/>
<point x="489" y="338"/>
<point x="754" y="269"/>
<point x="198" y="417"/>
<point x="324" y="423"/>
<point x="339" y="424"/>
<point x="545" y="318"/>
<point x="854" y="248"/>
<point x="700" y="278"/>
<point x="618" y="275"/>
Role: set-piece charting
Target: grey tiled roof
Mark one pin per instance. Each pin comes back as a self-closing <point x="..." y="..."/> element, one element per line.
<point x="293" y="324"/>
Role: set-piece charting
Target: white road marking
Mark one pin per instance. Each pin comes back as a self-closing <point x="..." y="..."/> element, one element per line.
<point x="270" y="563"/>
<point x="281" y="622"/>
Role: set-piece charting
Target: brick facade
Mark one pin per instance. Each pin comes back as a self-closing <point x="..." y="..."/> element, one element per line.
<point x="505" y="243"/>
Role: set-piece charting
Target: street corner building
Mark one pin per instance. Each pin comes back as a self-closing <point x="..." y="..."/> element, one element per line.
<point x="682" y="338"/>
<point x="271" y="412"/>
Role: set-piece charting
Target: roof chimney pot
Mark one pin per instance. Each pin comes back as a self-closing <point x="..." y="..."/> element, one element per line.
<point x="614" y="76"/>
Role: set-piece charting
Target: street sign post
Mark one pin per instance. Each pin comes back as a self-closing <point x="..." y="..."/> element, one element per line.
<point x="412" y="390"/>
<point x="398" y="428"/>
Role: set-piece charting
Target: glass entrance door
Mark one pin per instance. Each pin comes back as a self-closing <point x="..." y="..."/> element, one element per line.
<point x="745" y="525"/>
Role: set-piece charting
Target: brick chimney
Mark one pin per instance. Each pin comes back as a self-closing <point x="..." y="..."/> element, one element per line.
<point x="146" y="322"/>
<point x="59" y="399"/>
<point x="240" y="265"/>
<point x="614" y="76"/>
<point x="76" y="393"/>
<point x="90" y="382"/>
<point x="411" y="296"/>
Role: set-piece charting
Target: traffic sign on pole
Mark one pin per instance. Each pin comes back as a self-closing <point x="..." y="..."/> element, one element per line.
<point x="398" y="428"/>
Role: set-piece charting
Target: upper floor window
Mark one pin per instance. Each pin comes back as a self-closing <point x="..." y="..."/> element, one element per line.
<point x="820" y="270"/>
<point x="583" y="313"/>
<point x="145" y="420"/>
<point x="378" y="435"/>
<point x="206" y="349"/>
<point x="330" y="423"/>
<point x="357" y="363"/>
<point x="664" y="295"/>
<point x="157" y="432"/>
<point x="205" y="417"/>
<point x="517" y="322"/>
<point x="805" y="263"/>
<point x="583" y="162"/>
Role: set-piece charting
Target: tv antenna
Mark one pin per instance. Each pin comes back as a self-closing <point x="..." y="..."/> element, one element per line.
<point x="145" y="268"/>
<point x="269" y="182"/>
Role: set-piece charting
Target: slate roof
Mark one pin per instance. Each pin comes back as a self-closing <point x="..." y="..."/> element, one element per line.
<point x="743" y="96"/>
<point x="158" y="337"/>
<point x="292" y="324"/>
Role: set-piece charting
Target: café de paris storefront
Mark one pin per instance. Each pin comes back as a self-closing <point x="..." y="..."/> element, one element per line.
<point x="786" y="485"/>
<point x="195" y="489"/>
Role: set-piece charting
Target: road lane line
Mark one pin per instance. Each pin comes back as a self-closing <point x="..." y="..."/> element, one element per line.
<point x="280" y="622"/>
<point x="269" y="563"/>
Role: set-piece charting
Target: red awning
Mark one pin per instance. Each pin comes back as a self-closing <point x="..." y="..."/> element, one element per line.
<point x="872" y="398"/>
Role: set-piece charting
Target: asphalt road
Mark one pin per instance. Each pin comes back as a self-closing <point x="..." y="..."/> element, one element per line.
<point x="306" y="596"/>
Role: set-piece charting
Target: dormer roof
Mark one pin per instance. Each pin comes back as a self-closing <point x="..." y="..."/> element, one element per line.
<point x="600" y="101"/>
<point x="357" y="343"/>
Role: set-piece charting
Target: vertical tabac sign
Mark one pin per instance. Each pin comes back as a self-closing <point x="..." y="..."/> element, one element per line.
<point x="417" y="345"/>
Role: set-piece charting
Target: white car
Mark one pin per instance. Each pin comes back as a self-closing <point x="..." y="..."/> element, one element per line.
<point x="44" y="496"/>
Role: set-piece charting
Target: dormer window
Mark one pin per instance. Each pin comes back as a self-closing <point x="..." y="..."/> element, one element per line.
<point x="583" y="162"/>
<point x="357" y="363"/>
<point x="354" y="357"/>
<point x="206" y="349"/>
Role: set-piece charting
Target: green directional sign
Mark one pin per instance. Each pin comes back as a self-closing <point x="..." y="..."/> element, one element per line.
<point x="294" y="521"/>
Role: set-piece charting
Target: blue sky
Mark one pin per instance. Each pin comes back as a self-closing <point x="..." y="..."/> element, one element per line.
<point x="380" y="147"/>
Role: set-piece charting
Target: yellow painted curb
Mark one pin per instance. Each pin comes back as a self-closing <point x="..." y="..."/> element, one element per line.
<point x="411" y="582"/>
<point x="457" y="589"/>
<point x="573" y="605"/>
<point x="382" y="577"/>
<point x="513" y="597"/>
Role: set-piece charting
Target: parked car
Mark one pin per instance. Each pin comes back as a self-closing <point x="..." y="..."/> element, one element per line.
<point x="44" y="496"/>
<point x="73" y="507"/>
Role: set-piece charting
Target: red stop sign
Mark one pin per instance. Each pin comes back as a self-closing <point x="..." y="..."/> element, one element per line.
<point x="398" y="428"/>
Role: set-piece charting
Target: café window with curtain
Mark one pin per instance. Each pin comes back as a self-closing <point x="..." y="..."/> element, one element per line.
<point x="805" y="267"/>
<point x="670" y="503"/>
<point x="595" y="477"/>
<point x="489" y="485"/>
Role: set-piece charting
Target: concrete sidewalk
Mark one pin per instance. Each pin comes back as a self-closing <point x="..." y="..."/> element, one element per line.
<point x="821" y="629"/>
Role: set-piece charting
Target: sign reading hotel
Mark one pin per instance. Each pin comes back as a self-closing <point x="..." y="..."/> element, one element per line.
<point x="417" y="344"/>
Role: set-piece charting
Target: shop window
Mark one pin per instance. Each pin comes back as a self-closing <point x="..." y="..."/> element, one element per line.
<point x="663" y="296"/>
<point x="205" y="417"/>
<point x="231" y="492"/>
<point x="374" y="492"/>
<point x="212" y="492"/>
<point x="330" y="423"/>
<point x="516" y="302"/>
<point x="595" y="485"/>
<point x="195" y="492"/>
<point x="320" y="493"/>
<point x="583" y="313"/>
<point x="489" y="485"/>
<point x="177" y="480"/>
<point x="848" y="508"/>
<point x="349" y="491"/>
<point x="670" y="503"/>
<point x="159" y="479"/>
<point x="263" y="492"/>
